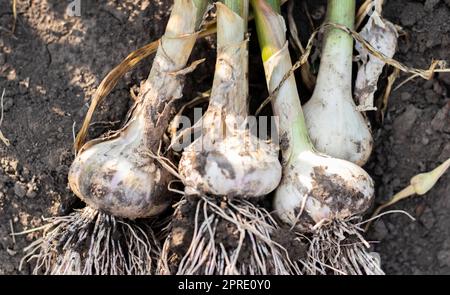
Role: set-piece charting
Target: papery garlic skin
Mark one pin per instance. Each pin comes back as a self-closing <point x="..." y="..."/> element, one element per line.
<point x="228" y="160"/>
<point x="119" y="174"/>
<point x="321" y="188"/>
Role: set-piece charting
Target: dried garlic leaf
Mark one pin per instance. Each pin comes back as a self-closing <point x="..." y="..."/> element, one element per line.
<point x="382" y="35"/>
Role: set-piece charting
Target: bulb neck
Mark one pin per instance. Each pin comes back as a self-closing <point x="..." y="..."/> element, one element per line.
<point x="292" y="130"/>
<point x="163" y="85"/>
<point x="230" y="86"/>
<point x="335" y="72"/>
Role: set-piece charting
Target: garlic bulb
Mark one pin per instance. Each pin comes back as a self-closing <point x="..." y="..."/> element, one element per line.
<point x="335" y="126"/>
<point x="118" y="174"/>
<point x="227" y="159"/>
<point x="317" y="188"/>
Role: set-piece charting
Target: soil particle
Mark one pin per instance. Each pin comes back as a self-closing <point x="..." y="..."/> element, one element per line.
<point x="286" y="238"/>
<point x="430" y="4"/>
<point x="444" y="257"/>
<point x="380" y="231"/>
<point x="442" y="118"/>
<point x="335" y="192"/>
<point x="20" y="189"/>
<point x="445" y="154"/>
<point x="411" y="13"/>
<point x="427" y="218"/>
<point x="224" y="164"/>
<point x="8" y="103"/>
<point x="431" y="96"/>
<point x="31" y="193"/>
<point x="445" y="77"/>
<point x="403" y="123"/>
<point x="405" y="96"/>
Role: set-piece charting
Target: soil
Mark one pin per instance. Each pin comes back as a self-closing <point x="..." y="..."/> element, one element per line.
<point x="52" y="64"/>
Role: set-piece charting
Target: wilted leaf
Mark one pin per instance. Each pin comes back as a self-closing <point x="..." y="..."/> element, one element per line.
<point x="382" y="35"/>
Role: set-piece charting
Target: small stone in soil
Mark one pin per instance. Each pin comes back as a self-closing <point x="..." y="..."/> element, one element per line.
<point x="427" y="218"/>
<point x="444" y="258"/>
<point x="20" y="189"/>
<point x="7" y="103"/>
<point x="31" y="193"/>
<point x="442" y="118"/>
<point x="405" y="96"/>
<point x="405" y="121"/>
<point x="445" y="154"/>
<point x="445" y="77"/>
<point x="430" y="4"/>
<point x="380" y="230"/>
<point x="410" y="14"/>
<point x="12" y="75"/>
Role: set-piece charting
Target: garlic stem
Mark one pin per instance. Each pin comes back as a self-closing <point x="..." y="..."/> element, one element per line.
<point x="272" y="38"/>
<point x="231" y="29"/>
<point x="337" y="55"/>
<point x="162" y="85"/>
<point x="275" y="4"/>
<point x="201" y="5"/>
<point x="240" y="7"/>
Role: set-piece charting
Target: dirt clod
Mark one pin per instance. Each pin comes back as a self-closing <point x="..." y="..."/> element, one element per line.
<point x="287" y="238"/>
<point x="20" y="189"/>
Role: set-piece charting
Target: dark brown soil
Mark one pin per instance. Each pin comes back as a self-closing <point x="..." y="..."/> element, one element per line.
<point x="414" y="138"/>
<point x="293" y="244"/>
<point x="53" y="63"/>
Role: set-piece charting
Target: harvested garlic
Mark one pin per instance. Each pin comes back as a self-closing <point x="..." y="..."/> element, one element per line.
<point x="227" y="159"/>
